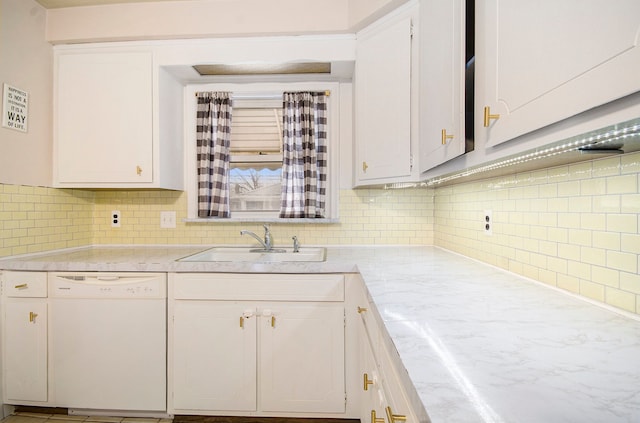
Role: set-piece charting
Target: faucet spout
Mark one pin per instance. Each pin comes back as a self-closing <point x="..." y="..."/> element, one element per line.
<point x="267" y="244"/>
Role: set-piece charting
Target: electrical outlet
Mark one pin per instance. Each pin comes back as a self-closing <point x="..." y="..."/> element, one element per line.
<point x="115" y="219"/>
<point x="167" y="219"/>
<point x="488" y="222"/>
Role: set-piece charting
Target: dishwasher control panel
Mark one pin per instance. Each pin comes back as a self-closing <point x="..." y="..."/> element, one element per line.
<point x="107" y="285"/>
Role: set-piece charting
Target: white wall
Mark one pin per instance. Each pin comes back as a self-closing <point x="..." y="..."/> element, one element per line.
<point x="196" y="19"/>
<point x="26" y="63"/>
<point x="212" y="18"/>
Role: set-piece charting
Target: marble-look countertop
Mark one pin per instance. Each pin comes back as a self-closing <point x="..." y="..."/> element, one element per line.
<point x="479" y="344"/>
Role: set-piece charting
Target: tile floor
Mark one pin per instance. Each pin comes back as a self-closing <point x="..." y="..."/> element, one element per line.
<point x="24" y="417"/>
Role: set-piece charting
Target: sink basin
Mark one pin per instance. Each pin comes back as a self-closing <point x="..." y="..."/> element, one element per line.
<point x="252" y="254"/>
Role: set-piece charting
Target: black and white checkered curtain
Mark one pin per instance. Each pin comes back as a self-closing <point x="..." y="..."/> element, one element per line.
<point x="213" y="135"/>
<point x="304" y="164"/>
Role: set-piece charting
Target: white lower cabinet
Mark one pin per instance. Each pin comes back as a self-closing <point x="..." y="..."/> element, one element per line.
<point x="256" y="344"/>
<point x="24" y="339"/>
<point x="214" y="356"/>
<point x="384" y="396"/>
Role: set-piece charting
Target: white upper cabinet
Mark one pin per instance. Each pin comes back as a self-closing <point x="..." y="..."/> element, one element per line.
<point x="442" y="81"/>
<point x="384" y="144"/>
<point x="541" y="62"/>
<point x="104" y="133"/>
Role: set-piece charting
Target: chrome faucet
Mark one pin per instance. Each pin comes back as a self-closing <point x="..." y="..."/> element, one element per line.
<point x="267" y="244"/>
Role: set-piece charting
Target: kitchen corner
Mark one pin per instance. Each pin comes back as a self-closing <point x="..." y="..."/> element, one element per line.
<point x="478" y="343"/>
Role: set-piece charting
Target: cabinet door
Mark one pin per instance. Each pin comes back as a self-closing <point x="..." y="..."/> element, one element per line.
<point x="214" y="357"/>
<point x="442" y="67"/>
<point x="25" y="349"/>
<point x="103" y="118"/>
<point x="398" y="407"/>
<point x="383" y="103"/>
<point x="540" y="62"/>
<point x="373" y="402"/>
<point x="302" y="358"/>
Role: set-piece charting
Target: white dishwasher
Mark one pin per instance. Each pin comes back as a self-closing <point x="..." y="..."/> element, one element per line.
<point x="108" y="337"/>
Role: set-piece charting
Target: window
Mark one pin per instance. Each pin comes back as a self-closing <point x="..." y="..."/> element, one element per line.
<point x="256" y="156"/>
<point x="256" y="148"/>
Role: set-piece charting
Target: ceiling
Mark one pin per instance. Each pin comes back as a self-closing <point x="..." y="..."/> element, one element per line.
<point x="56" y="4"/>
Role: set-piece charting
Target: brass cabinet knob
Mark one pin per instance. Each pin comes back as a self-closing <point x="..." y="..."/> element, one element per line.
<point x="138" y="170"/>
<point x="361" y="309"/>
<point x="365" y="166"/>
<point x="32" y="317"/>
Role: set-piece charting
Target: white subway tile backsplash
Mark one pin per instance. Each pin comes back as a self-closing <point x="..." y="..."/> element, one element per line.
<point x="584" y="239"/>
<point x="625" y="184"/>
<point x="627" y="223"/>
<point x="621" y="299"/>
<point x="626" y="262"/>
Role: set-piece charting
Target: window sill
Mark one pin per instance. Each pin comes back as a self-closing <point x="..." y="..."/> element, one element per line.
<point x="259" y="220"/>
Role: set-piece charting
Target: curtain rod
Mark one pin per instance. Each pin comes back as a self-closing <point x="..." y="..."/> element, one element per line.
<point x="265" y="96"/>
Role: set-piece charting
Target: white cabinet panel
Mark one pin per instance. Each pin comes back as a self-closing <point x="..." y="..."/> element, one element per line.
<point x="25" y="350"/>
<point x="214" y="360"/>
<point x="103" y="118"/>
<point x="302" y="358"/>
<point x="541" y="62"/>
<point x="384" y="391"/>
<point x="257" y="353"/>
<point x="383" y="103"/>
<point x="442" y="79"/>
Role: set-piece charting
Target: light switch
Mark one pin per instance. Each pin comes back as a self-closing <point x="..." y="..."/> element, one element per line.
<point x="167" y="219"/>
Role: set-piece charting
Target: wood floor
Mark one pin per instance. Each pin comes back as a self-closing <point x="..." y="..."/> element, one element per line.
<point x="24" y="414"/>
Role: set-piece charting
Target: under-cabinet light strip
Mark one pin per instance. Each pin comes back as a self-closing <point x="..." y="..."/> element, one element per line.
<point x="601" y="140"/>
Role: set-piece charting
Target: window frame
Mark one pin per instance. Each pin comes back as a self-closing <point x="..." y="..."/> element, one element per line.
<point x="257" y="90"/>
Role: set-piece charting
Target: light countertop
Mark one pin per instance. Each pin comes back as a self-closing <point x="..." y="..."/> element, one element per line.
<point x="479" y="344"/>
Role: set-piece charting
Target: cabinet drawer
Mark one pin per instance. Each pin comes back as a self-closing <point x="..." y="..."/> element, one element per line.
<point x="267" y="287"/>
<point x="24" y="284"/>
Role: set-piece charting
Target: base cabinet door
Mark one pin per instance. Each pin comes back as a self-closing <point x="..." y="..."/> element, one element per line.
<point x="302" y="358"/>
<point x="214" y="361"/>
<point x="25" y="344"/>
<point x="24" y="337"/>
<point x="372" y="400"/>
<point x="257" y="345"/>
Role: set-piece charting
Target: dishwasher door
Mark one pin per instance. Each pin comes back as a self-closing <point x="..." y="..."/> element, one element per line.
<point x="108" y="334"/>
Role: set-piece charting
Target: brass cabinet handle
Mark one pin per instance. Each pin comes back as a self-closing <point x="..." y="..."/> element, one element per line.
<point x="366" y="382"/>
<point x="445" y="137"/>
<point x="138" y="170"/>
<point x="375" y="419"/>
<point x="241" y="322"/>
<point x="395" y="417"/>
<point x="488" y="116"/>
<point x="32" y="317"/>
<point x="273" y="321"/>
<point x="365" y="166"/>
<point x="361" y="309"/>
<point x="21" y="286"/>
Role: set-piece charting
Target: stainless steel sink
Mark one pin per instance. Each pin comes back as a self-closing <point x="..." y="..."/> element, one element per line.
<point x="252" y="254"/>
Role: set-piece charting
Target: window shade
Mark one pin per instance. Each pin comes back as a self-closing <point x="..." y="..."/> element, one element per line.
<point x="256" y="131"/>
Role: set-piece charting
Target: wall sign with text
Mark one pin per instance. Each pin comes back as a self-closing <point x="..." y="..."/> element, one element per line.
<point x="15" y="108"/>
